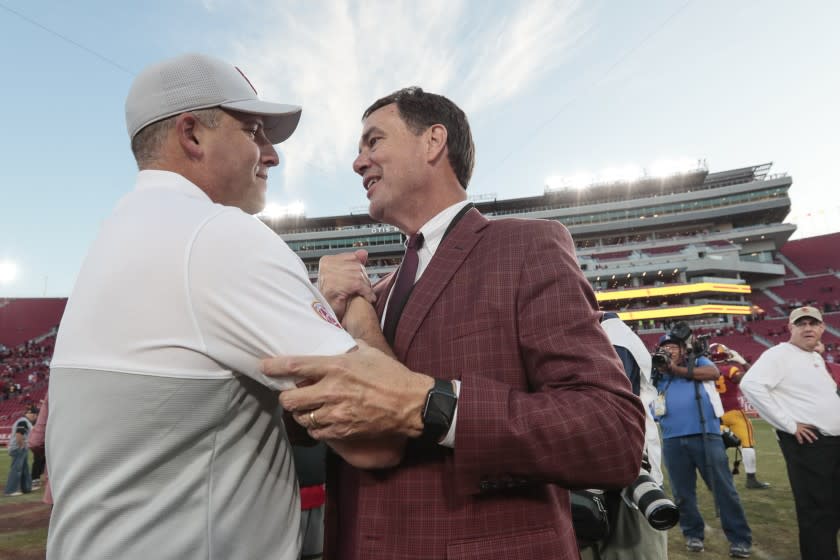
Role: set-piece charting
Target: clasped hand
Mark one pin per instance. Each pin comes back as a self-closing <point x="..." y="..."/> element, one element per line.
<point x="342" y="277"/>
<point x="361" y="394"/>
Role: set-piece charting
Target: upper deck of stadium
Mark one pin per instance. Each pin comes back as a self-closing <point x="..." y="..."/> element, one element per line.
<point x="689" y="226"/>
<point x="601" y="206"/>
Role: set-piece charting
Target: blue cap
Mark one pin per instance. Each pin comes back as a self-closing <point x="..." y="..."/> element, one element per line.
<point x="666" y="338"/>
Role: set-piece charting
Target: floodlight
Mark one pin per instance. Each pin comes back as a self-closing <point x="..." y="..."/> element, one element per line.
<point x="668" y="167"/>
<point x="273" y="210"/>
<point x="621" y="174"/>
<point x="553" y="183"/>
<point x="580" y="180"/>
<point x="8" y="272"/>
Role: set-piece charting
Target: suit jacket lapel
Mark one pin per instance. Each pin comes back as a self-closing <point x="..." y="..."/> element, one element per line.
<point x="450" y="255"/>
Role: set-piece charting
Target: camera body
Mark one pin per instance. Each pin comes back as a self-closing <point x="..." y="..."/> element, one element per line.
<point x="695" y="345"/>
<point x="660" y="359"/>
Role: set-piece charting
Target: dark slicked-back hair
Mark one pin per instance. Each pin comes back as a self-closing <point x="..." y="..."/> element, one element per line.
<point x="420" y="110"/>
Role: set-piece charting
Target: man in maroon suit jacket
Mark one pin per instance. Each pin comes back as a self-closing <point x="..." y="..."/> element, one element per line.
<point x="521" y="395"/>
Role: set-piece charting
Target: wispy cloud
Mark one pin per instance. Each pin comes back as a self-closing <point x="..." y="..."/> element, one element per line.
<point x="336" y="57"/>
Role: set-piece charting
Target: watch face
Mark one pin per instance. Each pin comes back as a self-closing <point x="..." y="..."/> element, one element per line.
<point x="440" y="408"/>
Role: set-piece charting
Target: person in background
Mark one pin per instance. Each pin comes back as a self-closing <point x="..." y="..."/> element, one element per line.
<point x="689" y="411"/>
<point x="793" y="390"/>
<point x="733" y="367"/>
<point x="20" y="478"/>
<point x="36" y="444"/>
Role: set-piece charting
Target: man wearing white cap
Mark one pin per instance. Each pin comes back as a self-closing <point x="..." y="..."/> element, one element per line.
<point x="165" y="440"/>
<point x="791" y="388"/>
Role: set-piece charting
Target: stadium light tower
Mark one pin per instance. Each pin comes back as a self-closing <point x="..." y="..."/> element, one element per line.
<point x="8" y="272"/>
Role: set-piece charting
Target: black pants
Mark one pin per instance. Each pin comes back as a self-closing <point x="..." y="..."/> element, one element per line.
<point x="38" y="462"/>
<point x="814" y="474"/>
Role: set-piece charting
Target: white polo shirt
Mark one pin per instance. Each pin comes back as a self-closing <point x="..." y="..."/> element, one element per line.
<point x="789" y="385"/>
<point x="164" y="439"/>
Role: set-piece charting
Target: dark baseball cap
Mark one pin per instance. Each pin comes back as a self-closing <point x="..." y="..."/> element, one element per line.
<point x="670" y="339"/>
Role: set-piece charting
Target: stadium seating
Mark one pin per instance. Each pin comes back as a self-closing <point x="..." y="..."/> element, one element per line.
<point x="613" y="256"/>
<point x="650" y="339"/>
<point x="27" y="340"/>
<point x="813" y="255"/>
<point x="24" y="319"/>
<point x="767" y="304"/>
<point x="666" y="250"/>
<point x="815" y="290"/>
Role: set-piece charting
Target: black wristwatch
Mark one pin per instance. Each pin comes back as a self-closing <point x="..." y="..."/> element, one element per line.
<point x="439" y="410"/>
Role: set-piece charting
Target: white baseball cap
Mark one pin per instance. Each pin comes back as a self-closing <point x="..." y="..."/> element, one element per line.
<point x="806" y="311"/>
<point x="196" y="81"/>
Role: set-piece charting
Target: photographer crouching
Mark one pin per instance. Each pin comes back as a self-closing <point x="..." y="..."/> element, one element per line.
<point x="688" y="408"/>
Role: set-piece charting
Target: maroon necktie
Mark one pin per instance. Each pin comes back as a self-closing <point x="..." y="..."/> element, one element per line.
<point x="403" y="286"/>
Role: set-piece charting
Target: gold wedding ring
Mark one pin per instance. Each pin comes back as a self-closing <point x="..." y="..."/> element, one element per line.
<point x="312" y="422"/>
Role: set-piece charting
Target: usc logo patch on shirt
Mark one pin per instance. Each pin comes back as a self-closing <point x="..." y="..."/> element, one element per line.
<point x="325" y="313"/>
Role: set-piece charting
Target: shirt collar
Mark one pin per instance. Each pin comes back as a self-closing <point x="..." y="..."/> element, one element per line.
<point x="157" y="179"/>
<point x="434" y="229"/>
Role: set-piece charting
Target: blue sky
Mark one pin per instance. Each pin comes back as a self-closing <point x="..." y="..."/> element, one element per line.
<point x="551" y="88"/>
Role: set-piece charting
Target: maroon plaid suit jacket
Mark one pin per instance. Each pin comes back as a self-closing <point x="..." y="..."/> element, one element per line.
<point x="544" y="405"/>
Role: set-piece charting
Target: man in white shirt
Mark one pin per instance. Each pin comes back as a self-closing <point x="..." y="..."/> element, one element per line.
<point x="791" y="388"/>
<point x="165" y="440"/>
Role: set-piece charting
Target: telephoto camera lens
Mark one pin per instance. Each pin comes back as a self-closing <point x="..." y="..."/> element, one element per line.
<point x="661" y="513"/>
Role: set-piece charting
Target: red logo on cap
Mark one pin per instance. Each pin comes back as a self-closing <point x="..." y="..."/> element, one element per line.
<point x="246" y="79"/>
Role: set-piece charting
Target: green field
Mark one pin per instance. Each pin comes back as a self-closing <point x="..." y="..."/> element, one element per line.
<point x="769" y="512"/>
<point x="20" y="538"/>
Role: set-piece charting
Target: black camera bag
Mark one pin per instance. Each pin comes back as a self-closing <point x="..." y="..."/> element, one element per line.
<point x="589" y="516"/>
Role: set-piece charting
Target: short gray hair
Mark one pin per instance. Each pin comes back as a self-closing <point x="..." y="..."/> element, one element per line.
<point x="147" y="143"/>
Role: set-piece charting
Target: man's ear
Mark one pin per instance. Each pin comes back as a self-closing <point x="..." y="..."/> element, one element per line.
<point x="187" y="131"/>
<point x="436" y="137"/>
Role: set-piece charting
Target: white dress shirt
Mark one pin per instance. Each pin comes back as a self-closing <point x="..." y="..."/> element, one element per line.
<point x="433" y="231"/>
